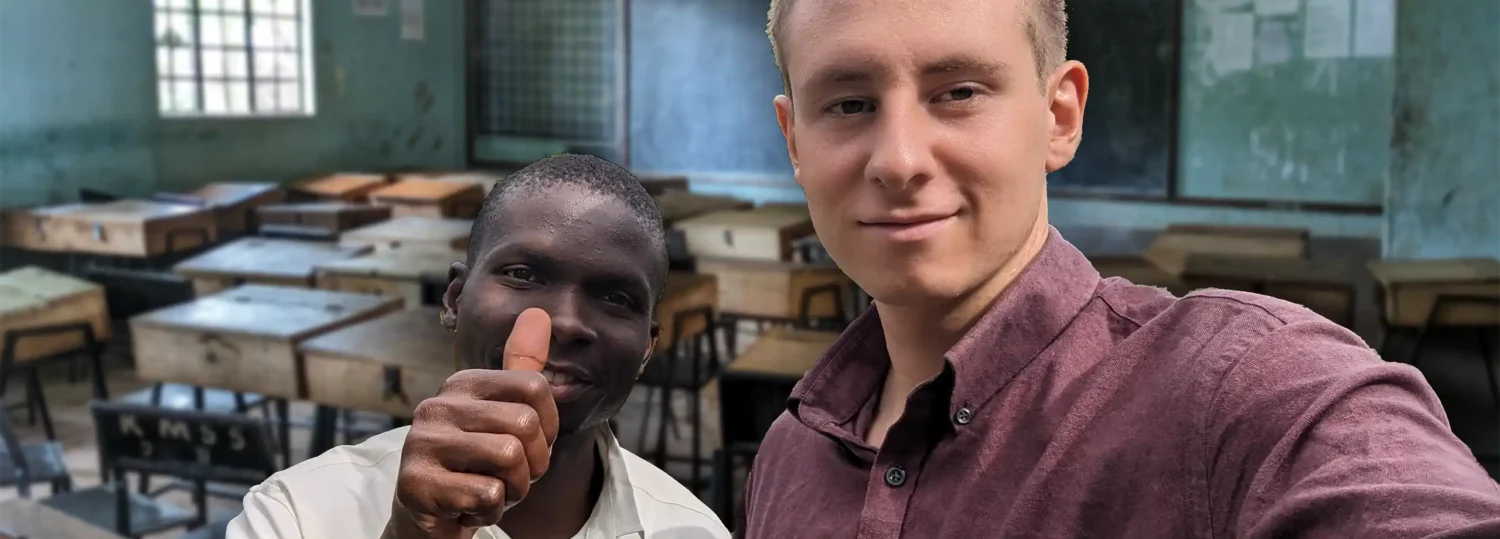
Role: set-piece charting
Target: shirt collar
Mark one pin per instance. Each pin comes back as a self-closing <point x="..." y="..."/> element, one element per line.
<point x="615" y="515"/>
<point x="1023" y="321"/>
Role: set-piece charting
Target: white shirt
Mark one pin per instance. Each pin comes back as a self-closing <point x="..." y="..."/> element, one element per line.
<point x="347" y="492"/>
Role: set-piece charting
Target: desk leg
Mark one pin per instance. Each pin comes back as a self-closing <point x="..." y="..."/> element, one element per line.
<point x="284" y="431"/>
<point x="325" y="422"/>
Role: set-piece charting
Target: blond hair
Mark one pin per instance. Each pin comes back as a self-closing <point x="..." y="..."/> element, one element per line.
<point x="1046" y="29"/>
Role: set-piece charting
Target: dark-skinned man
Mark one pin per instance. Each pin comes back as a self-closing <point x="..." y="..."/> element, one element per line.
<point x="552" y="316"/>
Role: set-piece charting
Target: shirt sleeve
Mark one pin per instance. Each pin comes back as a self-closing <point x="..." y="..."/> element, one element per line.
<point x="266" y="515"/>
<point x="1312" y="435"/>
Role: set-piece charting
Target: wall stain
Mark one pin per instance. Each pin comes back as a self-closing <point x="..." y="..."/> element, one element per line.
<point x="423" y="96"/>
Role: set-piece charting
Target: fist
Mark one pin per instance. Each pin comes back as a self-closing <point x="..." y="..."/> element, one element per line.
<point x="474" y="449"/>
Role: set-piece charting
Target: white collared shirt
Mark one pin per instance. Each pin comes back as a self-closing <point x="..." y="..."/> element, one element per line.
<point x="346" y="493"/>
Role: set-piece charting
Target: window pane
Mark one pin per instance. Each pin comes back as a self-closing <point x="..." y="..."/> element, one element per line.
<point x="212" y="4"/>
<point x="234" y="65"/>
<point x="265" y="97"/>
<point x="163" y="61"/>
<point x="290" y="98"/>
<point x="280" y="7"/>
<point x="171" y="4"/>
<point x="265" y="65"/>
<point x="212" y="29"/>
<point x="239" y="96"/>
<point x="183" y="63"/>
<point x="164" y="96"/>
<point x="278" y="33"/>
<point x="179" y="31"/>
<point x="234" y="31"/>
<point x="286" y="65"/>
<point x="213" y="63"/>
<point x="184" y="97"/>
<point x="215" y="98"/>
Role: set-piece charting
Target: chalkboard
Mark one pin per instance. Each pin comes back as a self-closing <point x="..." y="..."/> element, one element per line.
<point x="1129" y="48"/>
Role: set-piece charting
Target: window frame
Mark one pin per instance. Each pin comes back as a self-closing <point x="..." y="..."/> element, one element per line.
<point x="304" y="78"/>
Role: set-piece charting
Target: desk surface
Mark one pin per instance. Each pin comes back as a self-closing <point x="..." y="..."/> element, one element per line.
<point x="1438" y="271"/>
<point x="678" y="205"/>
<point x="784" y="352"/>
<point x="409" y="338"/>
<point x="32" y="520"/>
<point x="269" y="311"/>
<point x="231" y="193"/>
<point x="412" y="229"/>
<point x="395" y="264"/>
<point x="262" y="257"/>
<point x="1323" y="271"/>
<point x="430" y="190"/>
<point x="31" y="288"/>
<point x="129" y="211"/>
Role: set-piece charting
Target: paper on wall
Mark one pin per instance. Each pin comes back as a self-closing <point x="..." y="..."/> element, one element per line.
<point x="1325" y="29"/>
<point x="1271" y="8"/>
<point x="1232" y="42"/>
<point x="372" y="8"/>
<point x="413" y="20"/>
<point x="1375" y="28"/>
<point x="1273" y="44"/>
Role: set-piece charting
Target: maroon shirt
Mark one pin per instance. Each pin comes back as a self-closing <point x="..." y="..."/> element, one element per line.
<point x="1081" y="407"/>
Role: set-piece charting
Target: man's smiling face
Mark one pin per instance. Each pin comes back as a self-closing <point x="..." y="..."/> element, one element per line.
<point x="922" y="135"/>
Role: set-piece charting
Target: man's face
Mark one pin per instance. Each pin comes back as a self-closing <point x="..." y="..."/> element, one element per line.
<point x="582" y="258"/>
<point x="922" y="136"/>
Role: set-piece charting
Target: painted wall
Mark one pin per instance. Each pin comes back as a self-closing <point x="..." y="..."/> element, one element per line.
<point x="702" y="79"/>
<point x="78" y="105"/>
<point x="1264" y="117"/>
<point x="1444" y="198"/>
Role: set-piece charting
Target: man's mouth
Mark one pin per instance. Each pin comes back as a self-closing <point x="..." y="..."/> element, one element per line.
<point x="566" y="387"/>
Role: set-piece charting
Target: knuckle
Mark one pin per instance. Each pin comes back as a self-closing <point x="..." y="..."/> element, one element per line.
<point x="431" y="410"/>
<point x="534" y="385"/>
<point x="489" y="494"/>
<point x="510" y="451"/>
<point x="459" y="381"/>
<point x="527" y="422"/>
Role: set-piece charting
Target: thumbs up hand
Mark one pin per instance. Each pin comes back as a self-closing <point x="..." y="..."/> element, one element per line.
<point x="474" y="449"/>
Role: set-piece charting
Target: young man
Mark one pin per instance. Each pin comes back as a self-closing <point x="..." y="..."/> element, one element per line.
<point x="566" y="262"/>
<point x="999" y="387"/>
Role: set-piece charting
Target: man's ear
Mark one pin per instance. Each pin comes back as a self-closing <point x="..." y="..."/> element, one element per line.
<point x="784" y="118"/>
<point x="1069" y="94"/>
<point x="650" y="351"/>
<point x="457" y="274"/>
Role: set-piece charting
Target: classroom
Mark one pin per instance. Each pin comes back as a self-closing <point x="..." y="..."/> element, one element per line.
<point x="226" y="226"/>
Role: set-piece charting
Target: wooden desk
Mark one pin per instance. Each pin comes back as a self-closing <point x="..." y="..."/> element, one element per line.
<point x="430" y="198"/>
<point x="318" y="220"/>
<point x="244" y="339"/>
<point x="233" y="203"/>
<point x="425" y="234"/>
<point x="658" y="184"/>
<point x="763" y="233"/>
<point x="396" y="273"/>
<point x="1172" y="247"/>
<point x="35" y="229"/>
<point x="776" y="290"/>
<point x="1138" y="270"/>
<point x="1411" y="287"/>
<point x="783" y="354"/>
<point x="20" y="517"/>
<point x="345" y="187"/>
<point x="133" y="228"/>
<point x="386" y="365"/>
<point x="1324" y="285"/>
<point x="689" y="296"/>
<point x="33" y="297"/>
<point x="485" y="180"/>
<point x="261" y="261"/>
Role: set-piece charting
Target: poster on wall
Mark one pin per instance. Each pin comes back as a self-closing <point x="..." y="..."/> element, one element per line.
<point x="413" y="20"/>
<point x="1375" y="28"/>
<point x="372" y="8"/>
<point x="1271" y="8"/>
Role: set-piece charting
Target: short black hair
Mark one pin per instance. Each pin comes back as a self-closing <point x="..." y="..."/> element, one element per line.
<point x="590" y="173"/>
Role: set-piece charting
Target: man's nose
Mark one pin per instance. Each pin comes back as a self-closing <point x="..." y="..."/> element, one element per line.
<point x="568" y="325"/>
<point x="901" y="152"/>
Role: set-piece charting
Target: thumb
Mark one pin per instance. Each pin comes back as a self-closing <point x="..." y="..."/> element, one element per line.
<point x="530" y="337"/>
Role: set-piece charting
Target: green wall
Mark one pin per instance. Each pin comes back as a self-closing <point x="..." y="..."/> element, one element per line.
<point x="78" y="105"/>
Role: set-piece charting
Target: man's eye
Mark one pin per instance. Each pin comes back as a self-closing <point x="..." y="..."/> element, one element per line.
<point x="519" y="274"/>
<point x="853" y="106"/>
<point x="619" y="298"/>
<point x="958" y="94"/>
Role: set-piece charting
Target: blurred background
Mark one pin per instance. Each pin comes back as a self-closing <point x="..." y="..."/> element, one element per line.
<point x="179" y="175"/>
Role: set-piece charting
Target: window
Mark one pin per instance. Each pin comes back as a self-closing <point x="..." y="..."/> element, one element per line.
<point x="233" y="58"/>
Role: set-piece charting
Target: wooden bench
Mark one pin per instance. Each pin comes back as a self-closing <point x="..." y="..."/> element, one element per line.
<point x="778" y="293"/>
<point x="1410" y="289"/>
<point x="261" y="261"/>
<point x="35" y="229"/>
<point x="658" y="184"/>
<point x="679" y="205"/>
<point x="487" y="181"/>
<point x="131" y="228"/>
<point x="397" y="273"/>
<point x="424" y="234"/>
<point x="233" y="203"/>
<point x="1172" y="247"/>
<point x="32" y="297"/>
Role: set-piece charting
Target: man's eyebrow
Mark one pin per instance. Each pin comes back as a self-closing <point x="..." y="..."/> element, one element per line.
<point x="842" y="74"/>
<point x="966" y="64"/>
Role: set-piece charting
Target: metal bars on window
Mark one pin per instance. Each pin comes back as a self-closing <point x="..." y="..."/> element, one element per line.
<point x="232" y="57"/>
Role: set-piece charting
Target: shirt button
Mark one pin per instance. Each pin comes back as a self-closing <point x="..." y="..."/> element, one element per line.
<point x="964" y="416"/>
<point x="895" y="476"/>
